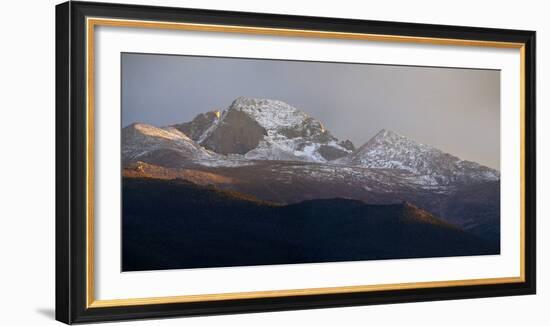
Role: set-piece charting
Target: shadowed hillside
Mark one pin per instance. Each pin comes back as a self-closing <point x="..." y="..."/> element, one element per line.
<point x="170" y="224"/>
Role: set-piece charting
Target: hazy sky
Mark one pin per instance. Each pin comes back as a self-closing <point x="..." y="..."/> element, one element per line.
<point x="455" y="110"/>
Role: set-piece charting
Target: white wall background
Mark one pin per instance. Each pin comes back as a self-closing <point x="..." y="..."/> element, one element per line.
<point x="27" y="162"/>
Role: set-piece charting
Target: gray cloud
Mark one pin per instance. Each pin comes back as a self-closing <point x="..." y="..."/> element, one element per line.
<point x="455" y="110"/>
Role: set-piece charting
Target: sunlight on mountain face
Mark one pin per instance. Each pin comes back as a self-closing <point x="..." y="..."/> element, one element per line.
<point x="253" y="129"/>
<point x="275" y="152"/>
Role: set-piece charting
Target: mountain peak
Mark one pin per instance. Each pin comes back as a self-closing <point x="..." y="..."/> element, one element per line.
<point x="270" y="114"/>
<point x="144" y="129"/>
<point x="255" y="101"/>
<point x="136" y="126"/>
<point x="388" y="139"/>
<point x="390" y="150"/>
<point x="151" y="144"/>
<point x="388" y="133"/>
<point x="269" y="129"/>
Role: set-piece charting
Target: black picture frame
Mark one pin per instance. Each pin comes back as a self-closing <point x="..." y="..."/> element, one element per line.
<point x="71" y="156"/>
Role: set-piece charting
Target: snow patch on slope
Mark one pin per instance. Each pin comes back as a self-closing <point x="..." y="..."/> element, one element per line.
<point x="291" y="133"/>
<point x="141" y="139"/>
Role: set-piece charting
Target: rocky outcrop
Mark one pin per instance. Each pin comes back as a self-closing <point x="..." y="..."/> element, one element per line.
<point x="237" y="133"/>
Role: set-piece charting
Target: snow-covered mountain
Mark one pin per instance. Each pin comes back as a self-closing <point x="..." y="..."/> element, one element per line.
<point x="252" y="129"/>
<point x="264" y="129"/>
<point x="165" y="146"/>
<point x="275" y="152"/>
<point x="390" y="150"/>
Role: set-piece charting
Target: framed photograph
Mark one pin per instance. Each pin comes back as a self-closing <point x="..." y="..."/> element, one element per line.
<point x="214" y="162"/>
